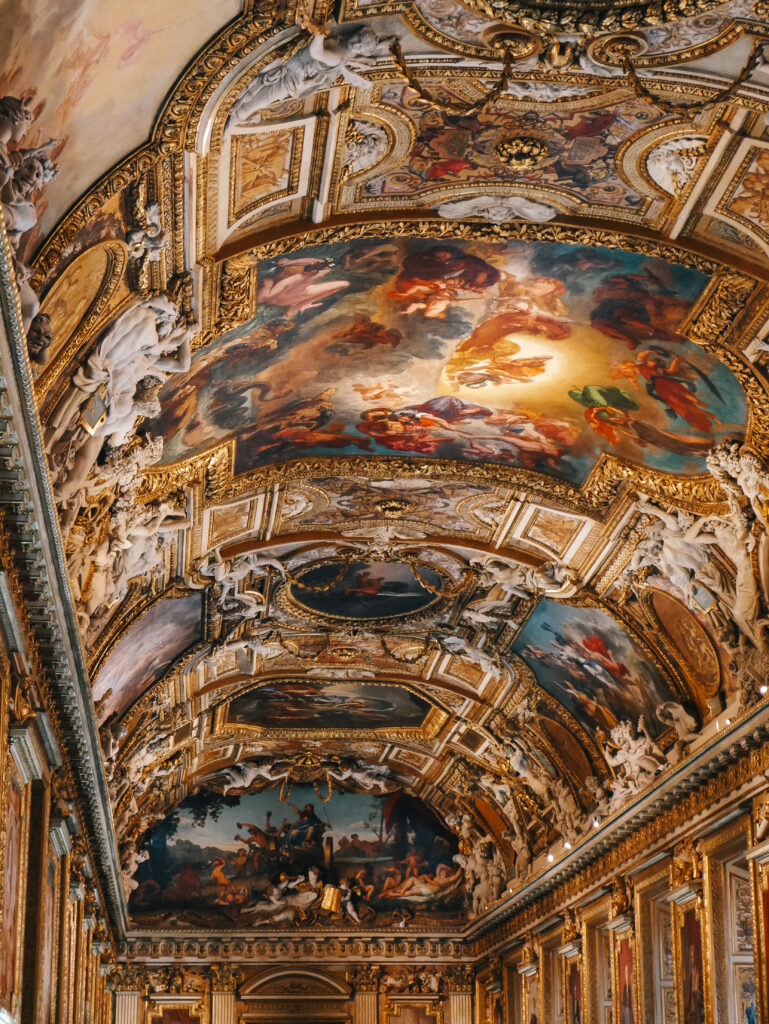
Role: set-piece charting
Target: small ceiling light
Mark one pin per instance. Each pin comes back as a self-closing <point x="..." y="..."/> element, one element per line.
<point x="550" y="858"/>
<point x="596" y="822"/>
<point x="728" y="721"/>
<point x="762" y="689"/>
<point x="567" y="845"/>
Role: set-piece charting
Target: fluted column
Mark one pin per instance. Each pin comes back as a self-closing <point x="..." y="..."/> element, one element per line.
<point x="224" y="983"/>
<point x="460" y="984"/>
<point x="364" y="979"/>
<point x="365" y="1008"/>
<point x="126" y="1007"/>
<point x="222" y="1008"/>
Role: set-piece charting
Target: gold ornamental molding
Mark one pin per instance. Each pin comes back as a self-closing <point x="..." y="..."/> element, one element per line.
<point x="600" y="15"/>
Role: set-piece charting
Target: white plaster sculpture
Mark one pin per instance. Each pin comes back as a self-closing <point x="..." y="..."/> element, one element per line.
<point x="229" y="572"/>
<point x="369" y="777"/>
<point x="636" y="759"/>
<point x="457" y="646"/>
<point x="741" y="473"/>
<point x="313" y="68"/>
<point x="143" y="346"/>
<point x="667" y="547"/>
<point x="672" y="714"/>
<point x="485" y="875"/>
<point x="25" y="173"/>
<point x="364" y="146"/>
<point x="260" y="646"/>
<point x="245" y="773"/>
<point x="740" y="597"/>
<point x="536" y="778"/>
<point x="517" y="580"/>
<point x="148" y="241"/>
<point x="672" y="163"/>
<point x="497" y="209"/>
<point x="600" y="794"/>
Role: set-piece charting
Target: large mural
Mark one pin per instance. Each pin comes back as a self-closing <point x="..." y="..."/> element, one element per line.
<point x="255" y="861"/>
<point x="536" y="355"/>
<point x="300" y="704"/>
<point x="588" y="662"/>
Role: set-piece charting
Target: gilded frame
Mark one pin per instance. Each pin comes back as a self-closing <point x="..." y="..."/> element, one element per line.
<point x="393" y="1004"/>
<point x="431" y="725"/>
<point x="13" y="779"/>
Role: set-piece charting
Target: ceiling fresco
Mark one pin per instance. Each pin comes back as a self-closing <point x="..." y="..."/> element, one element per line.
<point x="405" y="407"/>
<point x="533" y="355"/>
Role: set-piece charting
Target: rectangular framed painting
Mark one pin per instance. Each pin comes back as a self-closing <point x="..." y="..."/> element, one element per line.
<point x="744" y="994"/>
<point x="225" y="859"/>
<point x="13" y="886"/>
<point x="574" y="1001"/>
<point x="531" y="1013"/>
<point x="690" y="983"/>
<point x="50" y="921"/>
<point x="625" y="985"/>
<point x="740" y="914"/>
<point x="410" y="1011"/>
<point x="330" y="709"/>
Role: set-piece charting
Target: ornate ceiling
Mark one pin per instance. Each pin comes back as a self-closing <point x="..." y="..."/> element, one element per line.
<point x="405" y="412"/>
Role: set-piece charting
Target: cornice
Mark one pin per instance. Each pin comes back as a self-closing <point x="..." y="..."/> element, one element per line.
<point x="27" y="502"/>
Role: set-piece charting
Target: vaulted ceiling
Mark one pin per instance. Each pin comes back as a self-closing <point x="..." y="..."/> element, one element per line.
<point x="405" y="386"/>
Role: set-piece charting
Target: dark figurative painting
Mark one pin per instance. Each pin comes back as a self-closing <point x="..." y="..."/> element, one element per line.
<point x="588" y="662"/>
<point x="300" y="704"/>
<point x="366" y="590"/>
<point x="537" y="355"/>
<point x="691" y="968"/>
<point x="254" y="861"/>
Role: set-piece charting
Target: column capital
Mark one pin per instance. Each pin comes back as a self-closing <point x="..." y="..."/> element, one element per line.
<point x="224" y="978"/>
<point x="365" y="977"/>
<point x="460" y="977"/>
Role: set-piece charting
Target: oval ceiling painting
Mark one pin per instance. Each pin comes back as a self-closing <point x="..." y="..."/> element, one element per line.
<point x="535" y="355"/>
<point x="366" y="589"/>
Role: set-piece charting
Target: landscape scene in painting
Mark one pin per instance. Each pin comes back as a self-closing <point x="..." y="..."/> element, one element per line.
<point x="366" y="590"/>
<point x="252" y="860"/>
<point x="535" y="355"/>
<point x="586" y="660"/>
<point x="300" y="704"/>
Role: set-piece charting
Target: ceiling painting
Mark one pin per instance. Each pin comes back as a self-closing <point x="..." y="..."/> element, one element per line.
<point x="589" y="663"/>
<point x="146" y="651"/>
<point x="252" y="861"/>
<point x="407" y="434"/>
<point x="366" y="590"/>
<point x="326" y="707"/>
<point x="457" y="507"/>
<point x="534" y="355"/>
<point x="571" y="155"/>
<point x="66" y="57"/>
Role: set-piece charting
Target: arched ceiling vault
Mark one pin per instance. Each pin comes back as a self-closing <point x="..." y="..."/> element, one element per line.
<point x="405" y="408"/>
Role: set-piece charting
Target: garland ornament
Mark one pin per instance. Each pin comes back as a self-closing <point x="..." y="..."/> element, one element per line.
<point x="456" y="108"/>
<point x="668" y="107"/>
